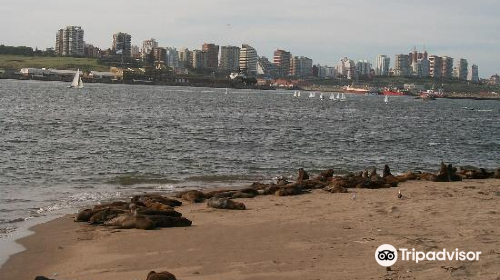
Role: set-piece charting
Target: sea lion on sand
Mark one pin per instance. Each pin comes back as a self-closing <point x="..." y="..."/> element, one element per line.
<point x="84" y="215"/>
<point x="289" y="190"/>
<point x="42" y="278"/>
<point x="129" y="221"/>
<point x="104" y="215"/>
<point x="116" y="204"/>
<point x="243" y="195"/>
<point x="335" y="189"/>
<point x="387" y="171"/>
<point x="325" y="175"/>
<point x="166" y="221"/>
<point x="225" y="203"/>
<point x="170" y="213"/>
<point x="302" y="175"/>
<point x="156" y="198"/>
<point x="165" y="275"/>
<point x="193" y="196"/>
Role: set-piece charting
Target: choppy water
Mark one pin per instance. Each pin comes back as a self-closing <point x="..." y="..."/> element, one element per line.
<point x="62" y="148"/>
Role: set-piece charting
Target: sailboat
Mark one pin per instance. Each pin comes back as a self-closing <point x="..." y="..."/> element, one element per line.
<point x="386" y="99"/>
<point x="227" y="91"/>
<point x="312" y="94"/>
<point x="295" y="94"/>
<point x="321" y="96"/>
<point x="343" y="97"/>
<point x="332" y="96"/>
<point x="298" y="93"/>
<point x="77" y="81"/>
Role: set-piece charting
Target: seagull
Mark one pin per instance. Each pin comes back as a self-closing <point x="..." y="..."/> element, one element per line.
<point x="399" y="194"/>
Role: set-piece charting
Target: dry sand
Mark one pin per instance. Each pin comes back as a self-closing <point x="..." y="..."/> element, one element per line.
<point x="312" y="236"/>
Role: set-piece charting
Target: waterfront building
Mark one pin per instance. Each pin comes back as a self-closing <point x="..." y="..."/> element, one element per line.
<point x="265" y="67"/>
<point x="229" y="58"/>
<point x="172" y="58"/>
<point x="325" y="72"/>
<point x="347" y="68"/>
<point x="159" y="54"/>
<point x="212" y="51"/>
<point x="402" y="65"/>
<point x="200" y="59"/>
<point x="147" y="48"/>
<point x="122" y="44"/>
<point x="462" y="70"/>
<point x="69" y="41"/>
<point x="248" y="60"/>
<point x="91" y="51"/>
<point x="474" y="74"/>
<point x="185" y="58"/>
<point x="135" y="51"/>
<point x="421" y="68"/>
<point x="282" y="61"/>
<point x="364" y="68"/>
<point x="447" y="67"/>
<point x="383" y="64"/>
<point x="301" y="66"/>
<point x="435" y="66"/>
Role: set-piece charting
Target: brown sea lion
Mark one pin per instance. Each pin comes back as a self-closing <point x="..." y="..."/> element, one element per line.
<point x="156" y="198"/>
<point x="496" y="174"/>
<point x="289" y="190"/>
<point x="335" y="189"/>
<point x="165" y="275"/>
<point x="129" y="221"/>
<point x="84" y="215"/>
<point x="104" y="215"/>
<point x="166" y="221"/>
<point x="225" y="203"/>
<point x="243" y="195"/>
<point x="325" y="175"/>
<point x="193" y="196"/>
<point x="387" y="171"/>
<point x="116" y="204"/>
<point x="147" y="211"/>
<point x="302" y="175"/>
<point x="42" y="278"/>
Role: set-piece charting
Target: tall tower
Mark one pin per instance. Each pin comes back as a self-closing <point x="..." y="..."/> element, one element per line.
<point x="282" y="61"/>
<point x="69" y="41"/>
<point x="248" y="60"/>
<point x="212" y="51"/>
<point x="122" y="44"/>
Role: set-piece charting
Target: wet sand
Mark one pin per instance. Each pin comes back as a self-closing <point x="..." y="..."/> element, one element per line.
<point x="312" y="236"/>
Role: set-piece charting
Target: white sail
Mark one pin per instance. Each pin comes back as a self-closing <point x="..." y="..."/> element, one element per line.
<point x="343" y="97"/>
<point x="227" y="91"/>
<point x="76" y="80"/>
<point x="332" y="96"/>
<point x="80" y="83"/>
<point x="386" y="99"/>
<point x="338" y="96"/>
<point x="321" y="96"/>
<point x="298" y="94"/>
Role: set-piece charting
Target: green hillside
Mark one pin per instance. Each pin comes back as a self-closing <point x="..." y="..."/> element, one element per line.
<point x="62" y="63"/>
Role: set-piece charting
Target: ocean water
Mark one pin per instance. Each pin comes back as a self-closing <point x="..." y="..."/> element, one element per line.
<point x="61" y="149"/>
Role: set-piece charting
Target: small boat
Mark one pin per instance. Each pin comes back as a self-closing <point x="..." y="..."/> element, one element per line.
<point x="294" y="93"/>
<point x="332" y="97"/>
<point x="227" y="91"/>
<point x="312" y="94"/>
<point x="343" y="98"/>
<point x="386" y="99"/>
<point x="298" y="93"/>
<point x="77" y="81"/>
<point x="321" y="96"/>
<point x="338" y="96"/>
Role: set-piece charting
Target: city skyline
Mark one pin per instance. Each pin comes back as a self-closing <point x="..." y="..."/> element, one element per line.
<point x="324" y="31"/>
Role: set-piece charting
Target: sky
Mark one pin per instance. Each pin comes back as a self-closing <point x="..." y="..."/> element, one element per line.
<point x="324" y="30"/>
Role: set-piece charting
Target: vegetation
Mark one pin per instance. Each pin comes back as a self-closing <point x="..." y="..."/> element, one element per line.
<point x="63" y="63"/>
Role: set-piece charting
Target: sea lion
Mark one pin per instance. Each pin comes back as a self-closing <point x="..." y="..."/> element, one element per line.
<point x="84" y="215"/>
<point x="302" y="175"/>
<point x="156" y="198"/>
<point x="165" y="275"/>
<point x="193" y="196"/>
<point x="166" y="221"/>
<point x="243" y="195"/>
<point x="129" y="221"/>
<point x="42" y="278"/>
<point x="104" y="215"/>
<point x="335" y="189"/>
<point x="116" y="204"/>
<point x="325" y="175"/>
<point x="225" y="203"/>
<point x="289" y="190"/>
<point x="147" y="211"/>
<point x="387" y="171"/>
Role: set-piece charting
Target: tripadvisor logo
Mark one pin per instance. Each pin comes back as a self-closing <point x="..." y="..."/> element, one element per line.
<point x="387" y="255"/>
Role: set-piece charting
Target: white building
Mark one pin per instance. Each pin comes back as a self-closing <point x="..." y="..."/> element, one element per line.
<point x="347" y="68"/>
<point x="248" y="60"/>
<point x="383" y="64"/>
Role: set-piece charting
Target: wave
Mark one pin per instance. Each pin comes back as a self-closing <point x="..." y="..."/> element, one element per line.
<point x="135" y="179"/>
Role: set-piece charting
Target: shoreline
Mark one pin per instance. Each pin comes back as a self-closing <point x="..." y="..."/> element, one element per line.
<point x="225" y="244"/>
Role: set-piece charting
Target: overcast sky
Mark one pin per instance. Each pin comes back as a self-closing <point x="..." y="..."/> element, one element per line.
<point x="324" y="30"/>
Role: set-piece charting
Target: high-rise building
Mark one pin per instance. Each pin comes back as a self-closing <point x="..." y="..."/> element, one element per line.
<point x="248" y="60"/>
<point x="122" y="44"/>
<point x="91" y="51"/>
<point x="447" y="67"/>
<point x="282" y="61"/>
<point x="347" y="68"/>
<point x="229" y="58"/>
<point x="326" y="72"/>
<point x="185" y="58"/>
<point x="474" y="74"/>
<point x="147" y="48"/>
<point x="402" y="65"/>
<point x="364" y="68"/>
<point x="265" y="67"/>
<point x="421" y="68"/>
<point x="200" y="59"/>
<point x="172" y="58"/>
<point x="159" y="54"/>
<point x="212" y="51"/>
<point x="461" y="70"/>
<point x="135" y="52"/>
<point x="69" y="41"/>
<point x="435" y="66"/>
<point x="301" y="66"/>
<point x="383" y="64"/>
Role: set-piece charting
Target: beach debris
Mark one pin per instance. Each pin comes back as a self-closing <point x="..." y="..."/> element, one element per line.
<point x="225" y="203"/>
<point x="164" y="275"/>
<point x="399" y="194"/>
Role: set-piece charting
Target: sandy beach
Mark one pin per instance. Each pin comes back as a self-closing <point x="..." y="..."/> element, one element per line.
<point x="312" y="236"/>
